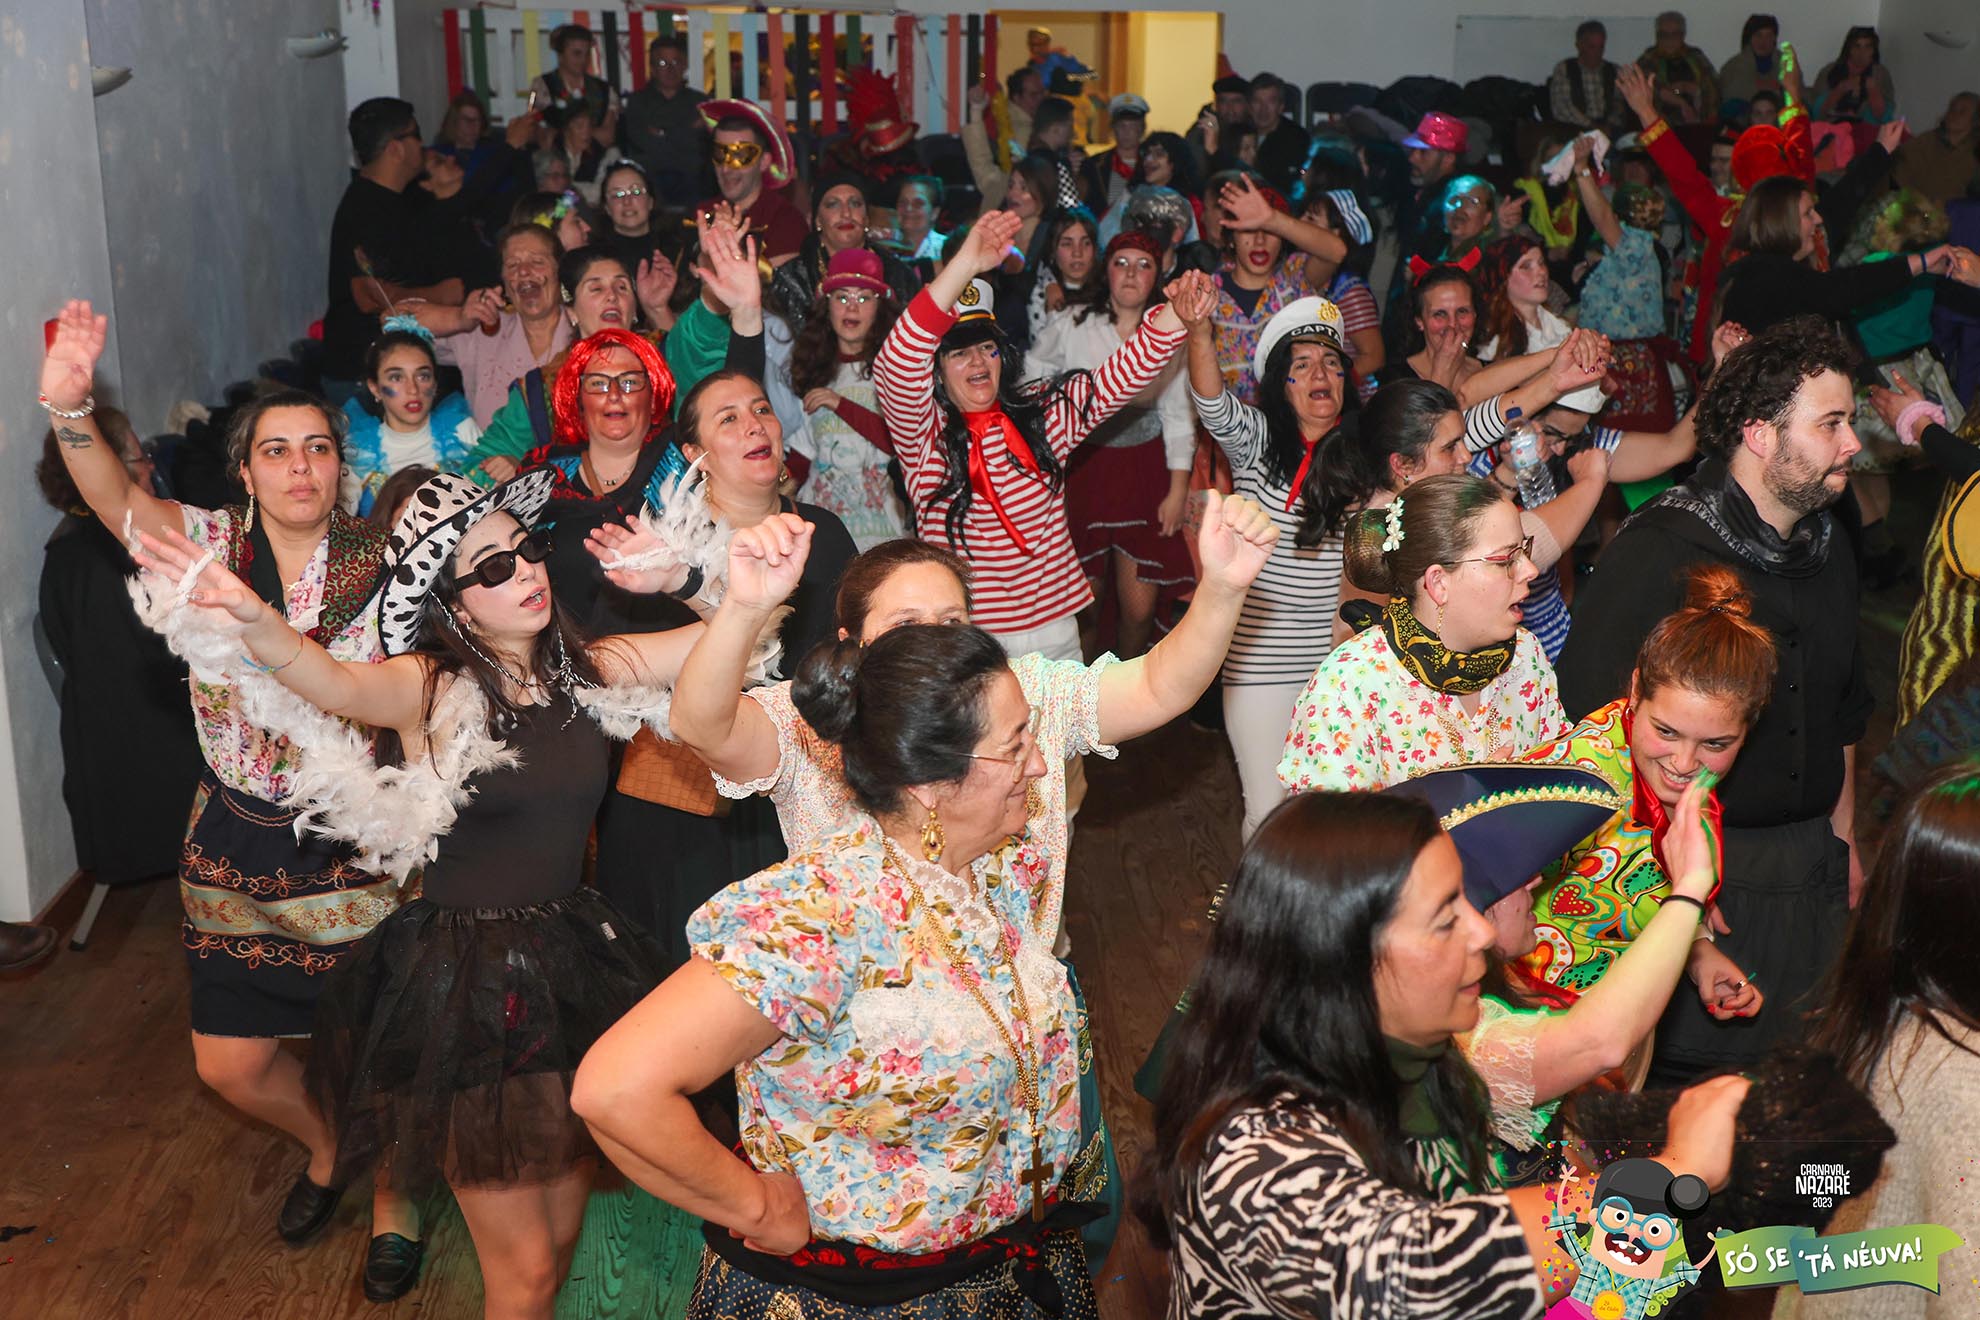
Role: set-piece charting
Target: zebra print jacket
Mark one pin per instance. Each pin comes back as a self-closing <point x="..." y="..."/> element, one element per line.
<point x="1286" y="1221"/>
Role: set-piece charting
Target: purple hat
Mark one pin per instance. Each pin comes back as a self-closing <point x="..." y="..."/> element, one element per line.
<point x="1438" y="131"/>
<point x="855" y="268"/>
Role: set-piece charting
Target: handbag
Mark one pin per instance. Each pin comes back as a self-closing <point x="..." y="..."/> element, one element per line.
<point x="666" y="773"/>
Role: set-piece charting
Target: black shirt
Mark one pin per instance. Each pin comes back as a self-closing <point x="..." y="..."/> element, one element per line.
<point x="385" y="224"/>
<point x="1282" y="154"/>
<point x="667" y="137"/>
<point x="1791" y="768"/>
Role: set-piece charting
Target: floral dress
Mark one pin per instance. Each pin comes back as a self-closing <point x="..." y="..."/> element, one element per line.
<point x="1365" y="722"/>
<point x="892" y="1097"/>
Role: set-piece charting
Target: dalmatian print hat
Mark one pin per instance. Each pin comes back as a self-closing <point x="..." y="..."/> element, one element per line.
<point x="436" y="518"/>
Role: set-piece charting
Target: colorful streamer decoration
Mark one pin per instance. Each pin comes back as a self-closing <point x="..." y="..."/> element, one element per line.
<point x="450" y="28"/>
<point x="801" y="71"/>
<point x="955" y="73"/>
<point x="779" y="72"/>
<point x="724" y="80"/>
<point x="532" y="48"/>
<point x="828" y="74"/>
<point x="611" y="18"/>
<point x="478" y="53"/>
<point x="750" y="26"/>
<point x="636" y="46"/>
<point x="904" y="79"/>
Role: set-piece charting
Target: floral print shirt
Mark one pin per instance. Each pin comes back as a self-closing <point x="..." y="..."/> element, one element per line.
<point x="1364" y="722"/>
<point x="1238" y="332"/>
<point x="892" y="1096"/>
<point x="848" y="473"/>
<point x="1623" y="296"/>
<point x="809" y="788"/>
<point x="245" y="756"/>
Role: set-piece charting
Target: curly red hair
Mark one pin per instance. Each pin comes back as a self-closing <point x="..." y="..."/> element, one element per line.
<point x="567" y="415"/>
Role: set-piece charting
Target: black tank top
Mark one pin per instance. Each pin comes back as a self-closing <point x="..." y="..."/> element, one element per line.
<point x="520" y="840"/>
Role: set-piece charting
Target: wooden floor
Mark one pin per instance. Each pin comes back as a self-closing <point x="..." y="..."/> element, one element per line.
<point x="127" y="1191"/>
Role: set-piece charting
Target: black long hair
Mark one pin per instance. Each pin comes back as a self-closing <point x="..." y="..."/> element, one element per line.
<point x="1184" y="180"/>
<point x="1025" y="403"/>
<point x="1285" y="1000"/>
<point x="1908" y="953"/>
<point x="560" y="653"/>
<point x="1353" y="462"/>
<point x="1283" y="447"/>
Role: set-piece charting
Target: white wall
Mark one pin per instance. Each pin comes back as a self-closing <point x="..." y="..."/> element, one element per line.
<point x="1928" y="72"/>
<point x="51" y="192"/>
<point x="223" y="159"/>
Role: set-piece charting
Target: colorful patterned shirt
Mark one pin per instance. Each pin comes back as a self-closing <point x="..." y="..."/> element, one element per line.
<point x="1623" y="296"/>
<point x="1365" y="722"/>
<point x="892" y="1097"/>
<point x="848" y="471"/>
<point x="245" y="756"/>
<point x="808" y="785"/>
<point x="1238" y="331"/>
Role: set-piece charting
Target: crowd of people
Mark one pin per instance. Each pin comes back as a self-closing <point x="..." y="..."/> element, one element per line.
<point x="639" y="692"/>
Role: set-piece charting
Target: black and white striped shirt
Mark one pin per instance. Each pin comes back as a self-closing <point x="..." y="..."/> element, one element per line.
<point x="1286" y="1221"/>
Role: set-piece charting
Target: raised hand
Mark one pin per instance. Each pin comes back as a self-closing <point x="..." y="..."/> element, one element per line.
<point x="655" y="280"/>
<point x="1511" y="212"/>
<point x="728" y="265"/>
<point x="1689" y="859"/>
<point x="1634" y="84"/>
<point x="70" y="364"/>
<point x="767" y="561"/>
<point x="1244" y="206"/>
<point x="1700" y="1129"/>
<point x="216" y="589"/>
<point x="1891" y="136"/>
<point x="978" y="97"/>
<point x="990" y="238"/>
<point x="821" y="398"/>
<point x="521" y="130"/>
<point x="611" y="542"/>
<point x="1729" y="335"/>
<point x="1591" y="464"/>
<point x="1192" y="297"/>
<point x="1235" y="540"/>
<point x="1889" y="403"/>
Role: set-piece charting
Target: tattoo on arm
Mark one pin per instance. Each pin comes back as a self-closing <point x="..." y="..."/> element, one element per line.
<point x="73" y="438"/>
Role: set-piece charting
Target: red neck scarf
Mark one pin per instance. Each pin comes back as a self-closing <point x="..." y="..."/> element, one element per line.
<point x="982" y="425"/>
<point x="1299" y="477"/>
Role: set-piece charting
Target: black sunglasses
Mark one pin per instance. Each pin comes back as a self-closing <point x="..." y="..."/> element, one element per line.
<point x="501" y="566"/>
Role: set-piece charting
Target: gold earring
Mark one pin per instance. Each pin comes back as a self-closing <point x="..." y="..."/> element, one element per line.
<point x="249" y="525"/>
<point x="1034" y="802"/>
<point x="1440" y="620"/>
<point x="932" y="838"/>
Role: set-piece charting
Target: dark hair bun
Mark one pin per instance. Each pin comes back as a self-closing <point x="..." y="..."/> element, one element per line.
<point x="826" y="689"/>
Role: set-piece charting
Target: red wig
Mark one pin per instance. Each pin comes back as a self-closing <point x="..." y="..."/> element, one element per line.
<point x="567" y="414"/>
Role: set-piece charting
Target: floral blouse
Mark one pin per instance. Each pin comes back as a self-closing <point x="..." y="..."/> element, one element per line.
<point x="1364" y="722"/>
<point x="809" y="788"/>
<point x="892" y="1097"/>
<point x="245" y="756"/>
<point x="1623" y="296"/>
<point x="1238" y="333"/>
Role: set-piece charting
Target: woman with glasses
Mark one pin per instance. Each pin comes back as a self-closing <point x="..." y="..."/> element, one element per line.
<point x="446" y="1041"/>
<point x="907" y="1046"/>
<point x="838" y="224"/>
<point x="1446" y="676"/>
<point x="626" y="198"/>
<point x="845" y="439"/>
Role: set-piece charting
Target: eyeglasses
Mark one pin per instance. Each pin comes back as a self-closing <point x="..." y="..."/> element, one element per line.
<point x="975" y="353"/>
<point x="1027" y="744"/>
<point x="633" y="382"/>
<point x="736" y="155"/>
<point x="664" y="63"/>
<point x="620" y="194"/>
<point x="852" y="298"/>
<point x="1509" y="565"/>
<point x="501" y="566"/>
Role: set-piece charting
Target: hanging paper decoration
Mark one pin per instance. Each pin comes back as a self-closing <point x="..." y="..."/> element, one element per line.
<point x="779" y="73"/>
<point x="478" y="53"/>
<point x="532" y="46"/>
<point x="636" y="47"/>
<point x="750" y="26"/>
<point x="990" y="50"/>
<point x="450" y="29"/>
<point x="724" y="79"/>
<point x="828" y="74"/>
<point x="904" y="63"/>
<point x="611" y="18"/>
<point x="975" y="43"/>
<point x="855" y="57"/>
<point x="801" y="71"/>
<point x="955" y="73"/>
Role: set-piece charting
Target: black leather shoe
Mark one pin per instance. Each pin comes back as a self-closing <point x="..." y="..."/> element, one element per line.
<point x="391" y="1267"/>
<point x="305" y="1210"/>
<point x="24" y="946"/>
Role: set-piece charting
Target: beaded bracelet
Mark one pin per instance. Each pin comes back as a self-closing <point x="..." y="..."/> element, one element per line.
<point x="88" y="407"/>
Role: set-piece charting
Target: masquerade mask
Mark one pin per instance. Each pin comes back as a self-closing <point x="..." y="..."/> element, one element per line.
<point x="736" y="155"/>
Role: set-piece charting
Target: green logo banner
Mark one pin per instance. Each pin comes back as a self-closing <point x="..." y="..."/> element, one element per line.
<point x="1771" y="1257"/>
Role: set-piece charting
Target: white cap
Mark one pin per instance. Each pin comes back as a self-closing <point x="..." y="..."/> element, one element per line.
<point x="1127" y="103"/>
<point x="976" y="299"/>
<point x="1305" y="318"/>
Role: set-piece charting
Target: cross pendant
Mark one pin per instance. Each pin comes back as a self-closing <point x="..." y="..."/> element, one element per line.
<point x="1038" y="1177"/>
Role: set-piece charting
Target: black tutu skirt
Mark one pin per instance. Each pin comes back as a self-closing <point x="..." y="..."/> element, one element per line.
<point x="446" y="1041"/>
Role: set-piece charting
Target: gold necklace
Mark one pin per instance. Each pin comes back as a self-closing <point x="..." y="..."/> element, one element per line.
<point x="596" y="478"/>
<point x="1037" y="1175"/>
<point x="1455" y="729"/>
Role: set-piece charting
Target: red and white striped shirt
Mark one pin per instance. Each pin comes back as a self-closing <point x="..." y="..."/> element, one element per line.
<point x="1009" y="591"/>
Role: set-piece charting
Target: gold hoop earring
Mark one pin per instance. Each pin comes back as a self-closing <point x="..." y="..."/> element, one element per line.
<point x="932" y="839"/>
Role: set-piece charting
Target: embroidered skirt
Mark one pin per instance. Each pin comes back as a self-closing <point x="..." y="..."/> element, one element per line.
<point x="267" y="915"/>
<point x="446" y="1041"/>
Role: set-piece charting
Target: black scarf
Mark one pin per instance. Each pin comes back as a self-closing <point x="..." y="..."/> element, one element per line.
<point x="1435" y="665"/>
<point x="1715" y="499"/>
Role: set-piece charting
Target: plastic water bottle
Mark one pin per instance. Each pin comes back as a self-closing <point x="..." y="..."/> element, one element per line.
<point x="1536" y="482"/>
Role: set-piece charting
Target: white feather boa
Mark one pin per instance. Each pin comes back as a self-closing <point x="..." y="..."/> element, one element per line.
<point x="395" y="815"/>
